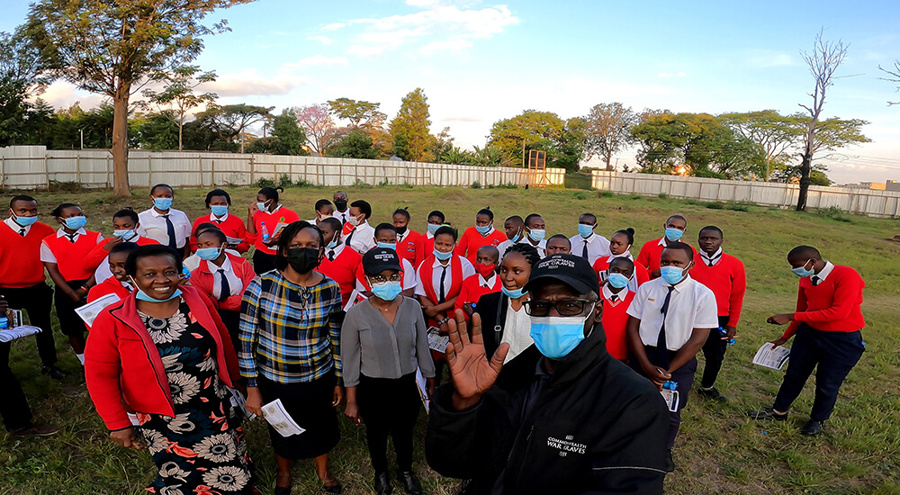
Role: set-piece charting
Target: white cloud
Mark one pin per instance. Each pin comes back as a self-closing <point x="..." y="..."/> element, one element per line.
<point x="251" y="83"/>
<point x="325" y="40"/>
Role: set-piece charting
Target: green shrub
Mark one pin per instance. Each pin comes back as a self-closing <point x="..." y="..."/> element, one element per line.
<point x="265" y="182"/>
<point x="580" y="195"/>
<point x="66" y="186"/>
<point x="476" y="185"/>
<point x="662" y="196"/>
<point x="715" y="206"/>
<point x="834" y="213"/>
<point x="737" y="206"/>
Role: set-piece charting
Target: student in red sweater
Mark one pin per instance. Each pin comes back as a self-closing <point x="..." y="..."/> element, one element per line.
<point x="616" y="297"/>
<point x="651" y="251"/>
<point x="222" y="276"/>
<point x="66" y="256"/>
<point x="22" y="275"/>
<point x="125" y="225"/>
<point x="118" y="284"/>
<point x="620" y="247"/>
<point x="828" y="324"/>
<point x="482" y="234"/>
<point x="425" y="246"/>
<point x="218" y="202"/>
<point x="264" y="216"/>
<point x="486" y="281"/>
<point x="724" y="275"/>
<point x="339" y="263"/>
<point x="407" y="239"/>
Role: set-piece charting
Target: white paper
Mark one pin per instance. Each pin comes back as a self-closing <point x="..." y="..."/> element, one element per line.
<point x="423" y="390"/>
<point x="436" y="341"/>
<point x="17" y="333"/>
<point x="15" y="318"/>
<point x="134" y="419"/>
<point x="278" y="417"/>
<point x="671" y="398"/>
<point x="89" y="311"/>
<point x="355" y="298"/>
<point x="233" y="240"/>
<point x="771" y="358"/>
<point x="239" y="401"/>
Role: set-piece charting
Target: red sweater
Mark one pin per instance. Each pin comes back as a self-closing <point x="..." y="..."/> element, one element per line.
<point x="281" y="215"/>
<point x="614" y="320"/>
<point x="728" y="282"/>
<point x="123" y="369"/>
<point x="231" y="227"/>
<point x="342" y="270"/>
<point x="407" y="247"/>
<point x="78" y="260"/>
<point x="424" y="249"/>
<point x="831" y="306"/>
<point x="640" y="273"/>
<point x="20" y="257"/>
<point x="203" y="279"/>
<point x="471" y="241"/>
<point x="649" y="256"/>
<point x="100" y="252"/>
<point x="472" y="290"/>
<point x="108" y="286"/>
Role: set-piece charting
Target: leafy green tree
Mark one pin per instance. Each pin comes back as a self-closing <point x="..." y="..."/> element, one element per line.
<point x="410" y="128"/>
<point x="20" y="76"/>
<point x="359" y="113"/>
<point x="563" y="141"/>
<point x="238" y="118"/>
<point x="489" y="156"/>
<point x="287" y="137"/>
<point x="110" y="47"/>
<point x="457" y="156"/>
<point x="607" y="130"/>
<point x="158" y="131"/>
<point x="178" y="95"/>
<point x="354" y="145"/>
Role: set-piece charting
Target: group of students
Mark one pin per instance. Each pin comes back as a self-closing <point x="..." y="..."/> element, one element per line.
<point x="334" y="309"/>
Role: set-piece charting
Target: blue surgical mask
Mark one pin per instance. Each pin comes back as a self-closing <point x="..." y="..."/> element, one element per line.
<point x="516" y="238"/>
<point x="219" y="210"/>
<point x="513" y="294"/>
<point x="387" y="291"/>
<point x="585" y="230"/>
<point x="387" y="245"/>
<point x="25" y="221"/>
<point x="432" y="228"/>
<point x="331" y="245"/>
<point x="124" y="234"/>
<point x="673" y="234"/>
<point x="75" y="223"/>
<point x="162" y="204"/>
<point x="483" y="229"/>
<point x="801" y="271"/>
<point x="442" y="256"/>
<point x="142" y="296"/>
<point x="262" y="207"/>
<point x="557" y="336"/>
<point x="617" y="280"/>
<point x="671" y="274"/>
<point x="536" y="235"/>
<point x="209" y="254"/>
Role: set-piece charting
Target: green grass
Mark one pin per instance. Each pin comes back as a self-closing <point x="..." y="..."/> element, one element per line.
<point x="718" y="449"/>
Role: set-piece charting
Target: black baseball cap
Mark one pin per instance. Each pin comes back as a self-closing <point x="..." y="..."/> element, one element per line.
<point x="574" y="271"/>
<point x="378" y="260"/>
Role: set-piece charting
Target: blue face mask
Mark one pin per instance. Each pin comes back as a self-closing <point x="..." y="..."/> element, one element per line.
<point x="536" y="235"/>
<point x="25" y="221"/>
<point x="142" y="296"/>
<point x="617" y="280"/>
<point x="387" y="291"/>
<point x="801" y="271"/>
<point x="671" y="274"/>
<point x="557" y="336"/>
<point x="673" y="234"/>
<point x="162" y="204"/>
<point x="442" y="256"/>
<point x="483" y="229"/>
<point x="332" y="245"/>
<point x="516" y="238"/>
<point x="585" y="230"/>
<point x="75" y="223"/>
<point x="432" y="228"/>
<point x="387" y="245"/>
<point x="512" y="294"/>
<point x="209" y="254"/>
<point x="219" y="210"/>
<point x="262" y="207"/>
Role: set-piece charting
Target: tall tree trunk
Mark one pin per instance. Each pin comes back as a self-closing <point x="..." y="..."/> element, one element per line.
<point x="805" y="168"/>
<point x="180" y="129"/>
<point x="120" y="139"/>
<point x="608" y="160"/>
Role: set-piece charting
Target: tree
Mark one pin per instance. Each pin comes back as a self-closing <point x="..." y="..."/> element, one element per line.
<point x="777" y="134"/>
<point x="562" y="140"/>
<point x="178" y="94"/>
<point x="316" y="123"/>
<point x="893" y="75"/>
<point x="441" y="145"/>
<point x="823" y="61"/>
<point x="354" y="145"/>
<point x="607" y="130"/>
<point x="239" y="118"/>
<point x="111" y="48"/>
<point x="410" y="128"/>
<point x="158" y="131"/>
<point x="359" y="113"/>
<point x="287" y="137"/>
<point x="20" y="75"/>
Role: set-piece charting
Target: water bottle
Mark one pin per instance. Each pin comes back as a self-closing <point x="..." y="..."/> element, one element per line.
<point x="724" y="333"/>
<point x="4" y="322"/>
<point x="670" y="385"/>
<point x="265" y="233"/>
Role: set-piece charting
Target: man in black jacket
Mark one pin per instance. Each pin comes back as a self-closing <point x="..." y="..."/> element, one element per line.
<point x="586" y="424"/>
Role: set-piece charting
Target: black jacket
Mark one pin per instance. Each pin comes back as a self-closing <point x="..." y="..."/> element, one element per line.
<point x="595" y="427"/>
<point x="518" y="371"/>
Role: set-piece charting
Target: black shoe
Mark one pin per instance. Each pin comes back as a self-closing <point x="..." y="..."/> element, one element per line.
<point x="813" y="428"/>
<point x="53" y="372"/>
<point x="670" y="463"/>
<point x="383" y="483"/>
<point x="282" y="490"/>
<point x="36" y="431"/>
<point x="410" y="483"/>
<point x="767" y="413"/>
<point x="466" y="487"/>
<point x="335" y="488"/>
<point x="712" y="393"/>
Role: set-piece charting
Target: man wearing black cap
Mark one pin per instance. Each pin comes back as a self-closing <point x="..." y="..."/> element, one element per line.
<point x="584" y="424"/>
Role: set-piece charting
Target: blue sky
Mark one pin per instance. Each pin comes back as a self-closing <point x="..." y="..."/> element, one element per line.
<point x="481" y="61"/>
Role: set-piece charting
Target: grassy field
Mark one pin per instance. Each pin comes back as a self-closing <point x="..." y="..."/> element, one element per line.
<point x="718" y="451"/>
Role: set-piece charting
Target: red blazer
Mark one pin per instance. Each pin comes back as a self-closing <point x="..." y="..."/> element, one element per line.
<point x="108" y="286"/>
<point x="122" y="367"/>
<point x="407" y="247"/>
<point x="424" y="249"/>
<point x="233" y="226"/>
<point x="472" y="290"/>
<point x="203" y="279"/>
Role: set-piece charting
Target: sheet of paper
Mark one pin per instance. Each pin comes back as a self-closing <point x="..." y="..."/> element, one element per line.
<point x="671" y="398"/>
<point x="278" y="417"/>
<point x="423" y="390"/>
<point x="437" y="342"/>
<point x="15" y="318"/>
<point x="355" y="298"/>
<point x="771" y="358"/>
<point x="233" y="240"/>
<point x="239" y="401"/>
<point x="89" y="311"/>
<point x="17" y="333"/>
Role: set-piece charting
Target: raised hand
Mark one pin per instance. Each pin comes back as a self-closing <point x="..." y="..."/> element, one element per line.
<point x="470" y="370"/>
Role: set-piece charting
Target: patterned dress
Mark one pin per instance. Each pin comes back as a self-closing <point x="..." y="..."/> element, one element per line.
<point x="202" y="450"/>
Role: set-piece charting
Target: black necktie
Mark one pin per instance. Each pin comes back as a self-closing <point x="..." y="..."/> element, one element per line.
<point x="331" y="255"/>
<point x="22" y="232"/>
<point x="614" y="297"/>
<point x="584" y="251"/>
<point x="443" y="296"/>
<point x="72" y="237"/>
<point x="225" y="290"/>
<point x="343" y="218"/>
<point x="170" y="231"/>
<point x="349" y="236"/>
<point x="815" y="280"/>
<point x="712" y="261"/>
<point x="661" y="351"/>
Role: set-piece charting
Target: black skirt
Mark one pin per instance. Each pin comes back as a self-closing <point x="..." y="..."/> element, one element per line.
<point x="309" y="403"/>
<point x="263" y="262"/>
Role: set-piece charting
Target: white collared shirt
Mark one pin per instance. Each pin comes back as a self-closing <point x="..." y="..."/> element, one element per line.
<point x="16" y="227"/>
<point x="362" y="238"/>
<point x="342" y="216"/>
<point x="337" y="251"/>
<point x="216" y="220"/>
<point x="715" y="258"/>
<point x="235" y="286"/>
<point x="47" y="255"/>
<point x="516" y="331"/>
<point x="541" y="247"/>
<point x="400" y="237"/>
<point x="436" y="270"/>
<point x="102" y="272"/>
<point x="153" y="226"/>
<point x="487" y="283"/>
<point x="608" y="295"/>
<point x="691" y="306"/>
<point x="598" y="246"/>
<point x="824" y="273"/>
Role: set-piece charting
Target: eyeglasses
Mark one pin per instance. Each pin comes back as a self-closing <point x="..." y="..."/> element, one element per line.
<point x="380" y="279"/>
<point x="565" y="307"/>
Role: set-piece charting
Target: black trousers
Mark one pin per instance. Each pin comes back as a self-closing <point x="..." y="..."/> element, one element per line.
<point x="232" y="320"/>
<point x="714" y="354"/>
<point x="389" y="407"/>
<point x="36" y="301"/>
<point x="70" y="324"/>
<point x="263" y="262"/>
<point x="683" y="376"/>
<point x="833" y="354"/>
<point x="13" y="406"/>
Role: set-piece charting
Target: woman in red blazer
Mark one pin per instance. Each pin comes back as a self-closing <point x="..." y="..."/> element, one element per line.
<point x="164" y="353"/>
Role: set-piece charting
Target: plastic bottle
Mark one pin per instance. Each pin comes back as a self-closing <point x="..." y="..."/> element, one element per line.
<point x="4" y="322"/>
<point x="265" y="233"/>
